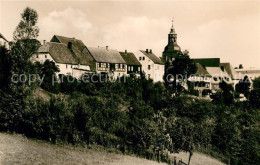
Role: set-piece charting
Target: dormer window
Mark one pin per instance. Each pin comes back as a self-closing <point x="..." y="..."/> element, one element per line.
<point x="140" y="58"/>
<point x="143" y="58"/>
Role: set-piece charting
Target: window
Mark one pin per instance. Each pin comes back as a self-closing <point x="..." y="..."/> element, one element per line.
<point x="132" y="68"/>
<point x="71" y="66"/>
<point x="123" y="66"/>
<point x="140" y="58"/>
<point x="143" y="58"/>
<point x="116" y="66"/>
<point x="99" y="64"/>
<point x="128" y="68"/>
<point x="45" y="56"/>
<point x="149" y="76"/>
<point x="149" y="67"/>
<point x="139" y="68"/>
<point x="66" y="66"/>
<point x="37" y="56"/>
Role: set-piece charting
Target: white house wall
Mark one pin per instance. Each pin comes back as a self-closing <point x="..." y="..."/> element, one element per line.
<point x="156" y="71"/>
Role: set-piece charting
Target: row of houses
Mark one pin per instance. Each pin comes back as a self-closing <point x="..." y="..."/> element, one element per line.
<point x="73" y="57"/>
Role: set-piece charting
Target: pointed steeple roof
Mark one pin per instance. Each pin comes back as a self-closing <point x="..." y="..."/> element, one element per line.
<point x="172" y="29"/>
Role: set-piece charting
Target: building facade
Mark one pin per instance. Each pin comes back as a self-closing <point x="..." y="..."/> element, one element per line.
<point x="108" y="61"/>
<point x="134" y="67"/>
<point x="152" y="66"/>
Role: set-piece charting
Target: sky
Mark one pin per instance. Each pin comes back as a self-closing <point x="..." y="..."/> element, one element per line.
<point x="227" y="29"/>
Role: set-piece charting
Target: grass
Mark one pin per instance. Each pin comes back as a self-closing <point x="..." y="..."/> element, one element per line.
<point x="17" y="149"/>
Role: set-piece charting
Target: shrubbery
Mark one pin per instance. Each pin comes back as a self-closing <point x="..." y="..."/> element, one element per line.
<point x="137" y="117"/>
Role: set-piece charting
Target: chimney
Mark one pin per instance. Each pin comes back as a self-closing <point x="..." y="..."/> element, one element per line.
<point x="70" y="45"/>
<point x="44" y="42"/>
<point x="146" y="51"/>
<point x="125" y="51"/>
<point x="106" y="47"/>
<point x="151" y="51"/>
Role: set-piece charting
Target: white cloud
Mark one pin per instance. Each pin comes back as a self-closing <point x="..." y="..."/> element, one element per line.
<point x="135" y="33"/>
<point x="69" y="22"/>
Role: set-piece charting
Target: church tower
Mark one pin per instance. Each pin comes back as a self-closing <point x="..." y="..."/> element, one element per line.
<point x="172" y="48"/>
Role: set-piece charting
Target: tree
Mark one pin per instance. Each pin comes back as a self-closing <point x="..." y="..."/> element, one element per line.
<point x="225" y="95"/>
<point x="27" y="28"/>
<point x="25" y="44"/>
<point x="256" y="83"/>
<point x="182" y="68"/>
<point x="185" y="135"/>
<point x="5" y="68"/>
<point x="49" y="78"/>
<point x="243" y="86"/>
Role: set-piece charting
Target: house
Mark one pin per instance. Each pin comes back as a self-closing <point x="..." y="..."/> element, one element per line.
<point x="216" y="71"/>
<point x="134" y="67"/>
<point x="108" y="61"/>
<point x="235" y="76"/>
<point x="152" y="66"/>
<point x="201" y="79"/>
<point x="69" y="54"/>
<point x="252" y="73"/>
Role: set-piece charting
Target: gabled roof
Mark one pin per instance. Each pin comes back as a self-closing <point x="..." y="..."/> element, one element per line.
<point x="130" y="58"/>
<point x="217" y="72"/>
<point x="59" y="52"/>
<point x="201" y="70"/>
<point x="79" y="50"/>
<point x="106" y="55"/>
<point x="231" y="71"/>
<point x="1" y="36"/>
<point x="207" y="62"/>
<point x="152" y="57"/>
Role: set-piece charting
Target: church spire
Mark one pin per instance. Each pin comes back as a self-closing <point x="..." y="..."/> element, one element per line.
<point x="172" y="28"/>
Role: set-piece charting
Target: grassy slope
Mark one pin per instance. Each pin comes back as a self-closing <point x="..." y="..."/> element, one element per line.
<point x="16" y="149"/>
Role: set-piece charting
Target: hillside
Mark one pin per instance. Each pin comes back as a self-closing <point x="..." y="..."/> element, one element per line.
<point x="16" y="149"/>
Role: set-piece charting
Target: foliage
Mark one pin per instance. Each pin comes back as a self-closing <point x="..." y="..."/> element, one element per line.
<point x="182" y="68"/>
<point x="256" y="83"/>
<point x="27" y="28"/>
<point x="136" y="116"/>
<point x="5" y="68"/>
<point x="243" y="86"/>
<point x="50" y="82"/>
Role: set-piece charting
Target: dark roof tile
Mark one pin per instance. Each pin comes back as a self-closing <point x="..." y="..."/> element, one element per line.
<point x="79" y="50"/>
<point x="130" y="58"/>
<point x="59" y="52"/>
<point x="106" y="55"/>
